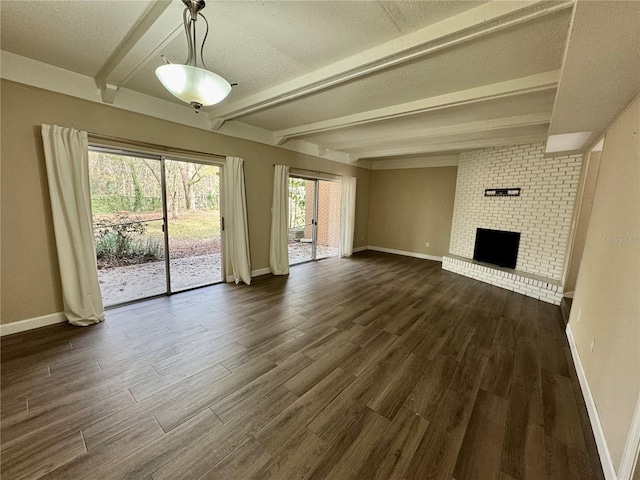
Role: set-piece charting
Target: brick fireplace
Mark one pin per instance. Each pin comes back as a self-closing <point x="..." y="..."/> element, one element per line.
<point x="541" y="213"/>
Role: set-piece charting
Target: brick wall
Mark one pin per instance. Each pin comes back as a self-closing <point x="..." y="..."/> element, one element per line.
<point x="542" y="214"/>
<point x="329" y="202"/>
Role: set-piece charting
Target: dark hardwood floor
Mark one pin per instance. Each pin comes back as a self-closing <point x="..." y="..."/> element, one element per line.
<point x="373" y="367"/>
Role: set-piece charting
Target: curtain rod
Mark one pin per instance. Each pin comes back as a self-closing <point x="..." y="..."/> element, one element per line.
<point x="98" y="136"/>
<point x="311" y="171"/>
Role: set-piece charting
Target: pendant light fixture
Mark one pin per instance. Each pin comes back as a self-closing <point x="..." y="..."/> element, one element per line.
<point x="194" y="85"/>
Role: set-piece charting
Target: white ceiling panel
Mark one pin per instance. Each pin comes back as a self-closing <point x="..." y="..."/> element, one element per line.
<point x="315" y="33"/>
<point x="601" y="73"/>
<point x="75" y="35"/>
<point x="233" y="54"/>
<point x="533" y="103"/>
<point x="419" y="144"/>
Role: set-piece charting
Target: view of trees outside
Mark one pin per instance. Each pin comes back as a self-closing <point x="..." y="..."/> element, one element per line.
<point x="126" y="198"/>
<point x="297" y="202"/>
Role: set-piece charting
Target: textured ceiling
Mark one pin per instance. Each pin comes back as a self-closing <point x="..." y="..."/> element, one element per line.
<point x="490" y="110"/>
<point x="492" y="59"/>
<point x="366" y="78"/>
<point x="75" y="35"/>
<point x="258" y="45"/>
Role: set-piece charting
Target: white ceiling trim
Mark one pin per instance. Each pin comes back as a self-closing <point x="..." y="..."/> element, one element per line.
<point x="159" y="27"/>
<point x="519" y="86"/>
<point x="37" y="74"/>
<point x="421" y="162"/>
<point x="48" y="77"/>
<point x="449" y="147"/>
<point x="461" y="128"/>
<point x="467" y="26"/>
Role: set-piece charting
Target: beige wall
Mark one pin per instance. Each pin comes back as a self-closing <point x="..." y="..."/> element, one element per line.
<point x="29" y="278"/>
<point x="411" y="207"/>
<point x="606" y="299"/>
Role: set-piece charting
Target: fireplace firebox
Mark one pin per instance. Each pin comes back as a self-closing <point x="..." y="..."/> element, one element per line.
<point x="497" y="247"/>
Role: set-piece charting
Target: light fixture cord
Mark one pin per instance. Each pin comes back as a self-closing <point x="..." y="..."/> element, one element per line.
<point x="206" y="33"/>
<point x="186" y="20"/>
<point x="195" y="43"/>
<point x="190" y="29"/>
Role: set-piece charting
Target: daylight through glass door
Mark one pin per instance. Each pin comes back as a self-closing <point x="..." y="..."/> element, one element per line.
<point x="193" y="225"/>
<point x="314" y="219"/>
<point x="156" y="224"/>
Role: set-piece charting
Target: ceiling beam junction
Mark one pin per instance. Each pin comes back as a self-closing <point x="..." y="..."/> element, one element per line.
<point x="420" y="133"/>
<point x="448" y="147"/>
<point x="519" y="86"/>
<point x="159" y="27"/>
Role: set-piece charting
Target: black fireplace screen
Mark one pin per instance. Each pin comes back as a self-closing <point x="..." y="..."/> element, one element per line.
<point x="497" y="247"/>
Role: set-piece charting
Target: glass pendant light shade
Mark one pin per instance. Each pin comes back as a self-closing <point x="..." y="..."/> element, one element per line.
<point x="193" y="85"/>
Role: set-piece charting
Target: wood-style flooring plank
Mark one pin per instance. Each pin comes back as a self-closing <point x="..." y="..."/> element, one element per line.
<point x="277" y="434"/>
<point x="39" y="434"/>
<point x="524" y="432"/>
<point x="296" y="461"/>
<point x="109" y="426"/>
<point x="318" y="369"/>
<point x="345" y="457"/>
<point x="41" y="462"/>
<point x="438" y="450"/>
<point x="250" y="394"/>
<point x="110" y="453"/>
<point x="481" y="450"/>
<point x="498" y="371"/>
<point x="390" y="459"/>
<point x="163" y="450"/>
<point x="177" y="413"/>
<point x="243" y="462"/>
<point x="222" y="441"/>
<point x="392" y="394"/>
<point x="347" y="405"/>
<point x="428" y="392"/>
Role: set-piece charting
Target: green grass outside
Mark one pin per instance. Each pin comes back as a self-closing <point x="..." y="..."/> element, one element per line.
<point x="197" y="224"/>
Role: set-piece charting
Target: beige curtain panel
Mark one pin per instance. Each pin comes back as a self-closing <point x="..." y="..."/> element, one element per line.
<point x="237" y="231"/>
<point x="348" y="215"/>
<point x="278" y="246"/>
<point x="67" y="163"/>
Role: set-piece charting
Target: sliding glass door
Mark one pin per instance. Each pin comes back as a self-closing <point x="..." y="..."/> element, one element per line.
<point x="314" y="219"/>
<point x="302" y="210"/>
<point x="194" y="224"/>
<point x="156" y="224"/>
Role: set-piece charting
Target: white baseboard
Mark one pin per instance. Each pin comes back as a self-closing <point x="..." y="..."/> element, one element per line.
<point x="601" y="441"/>
<point x="260" y="272"/>
<point x="31" y="323"/>
<point x="254" y="273"/>
<point x="631" y="451"/>
<point x="359" y="249"/>
<point x="405" y="253"/>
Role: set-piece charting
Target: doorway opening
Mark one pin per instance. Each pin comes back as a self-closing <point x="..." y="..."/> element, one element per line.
<point x="157" y="224"/>
<point x="314" y="219"/>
